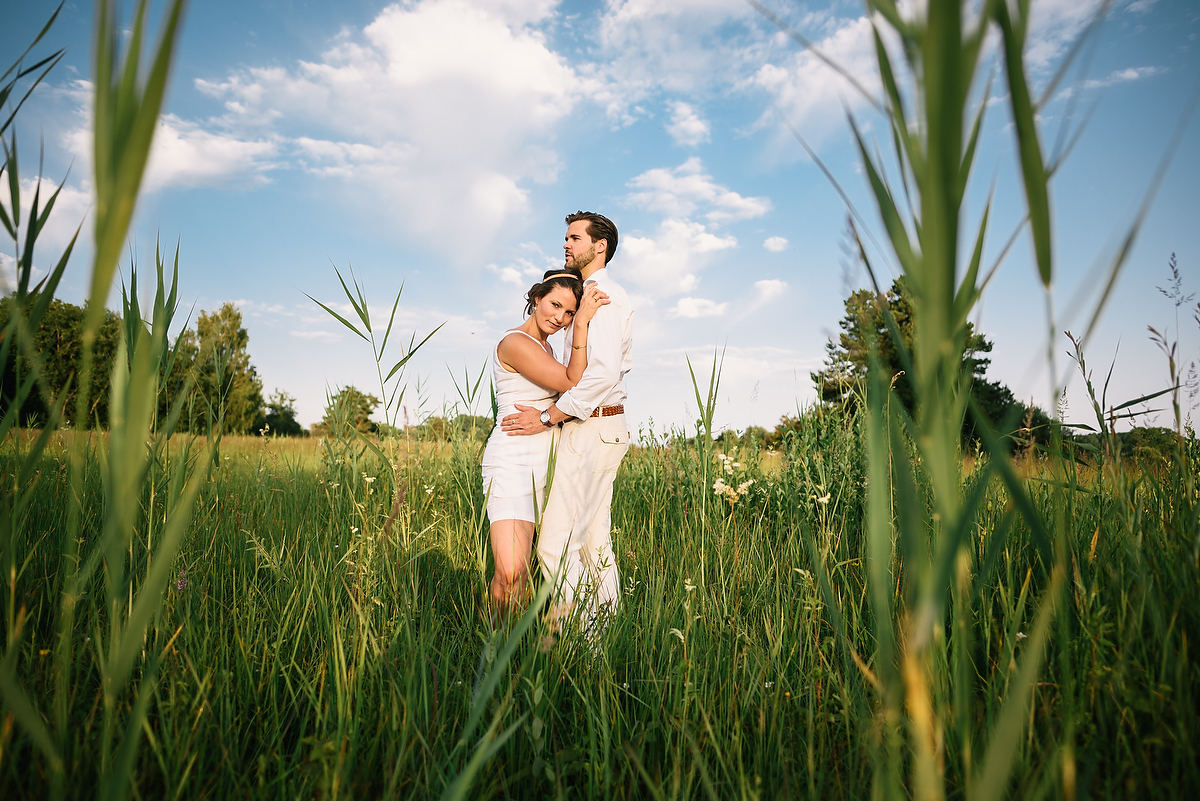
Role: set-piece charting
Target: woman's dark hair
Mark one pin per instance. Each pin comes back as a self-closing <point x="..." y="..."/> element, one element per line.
<point x="566" y="277"/>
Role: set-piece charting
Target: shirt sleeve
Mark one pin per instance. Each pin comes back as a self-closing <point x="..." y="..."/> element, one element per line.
<point x="603" y="371"/>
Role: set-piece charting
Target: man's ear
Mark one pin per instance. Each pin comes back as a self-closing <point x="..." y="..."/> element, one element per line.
<point x="601" y="246"/>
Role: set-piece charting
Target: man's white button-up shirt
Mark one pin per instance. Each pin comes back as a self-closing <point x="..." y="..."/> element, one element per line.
<point x="609" y="352"/>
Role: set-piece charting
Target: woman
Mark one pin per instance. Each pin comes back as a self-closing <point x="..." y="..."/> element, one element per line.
<point x="525" y="371"/>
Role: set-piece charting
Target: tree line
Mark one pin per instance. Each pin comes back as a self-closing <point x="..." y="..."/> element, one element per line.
<point x="212" y="366"/>
<point x="865" y="327"/>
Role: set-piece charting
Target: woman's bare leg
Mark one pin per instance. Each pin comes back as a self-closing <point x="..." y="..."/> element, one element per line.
<point x="512" y="542"/>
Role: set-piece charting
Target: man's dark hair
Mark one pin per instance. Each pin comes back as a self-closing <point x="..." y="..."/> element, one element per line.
<point x="599" y="227"/>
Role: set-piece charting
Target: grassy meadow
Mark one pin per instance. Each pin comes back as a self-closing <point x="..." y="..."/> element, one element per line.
<point x="866" y="612"/>
<point x="317" y="639"/>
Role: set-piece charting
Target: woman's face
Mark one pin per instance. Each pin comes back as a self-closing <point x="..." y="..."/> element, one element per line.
<point x="555" y="310"/>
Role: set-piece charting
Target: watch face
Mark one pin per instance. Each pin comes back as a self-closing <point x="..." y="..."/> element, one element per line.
<point x="545" y="417"/>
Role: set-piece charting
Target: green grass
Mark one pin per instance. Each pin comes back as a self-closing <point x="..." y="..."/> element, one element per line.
<point x="313" y="651"/>
<point x="877" y="616"/>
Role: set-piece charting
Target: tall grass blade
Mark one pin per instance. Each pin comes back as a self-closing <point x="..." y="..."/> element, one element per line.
<point x="1033" y="171"/>
<point x="1001" y="751"/>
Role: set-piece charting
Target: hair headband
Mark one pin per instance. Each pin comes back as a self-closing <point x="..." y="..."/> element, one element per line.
<point x="561" y="275"/>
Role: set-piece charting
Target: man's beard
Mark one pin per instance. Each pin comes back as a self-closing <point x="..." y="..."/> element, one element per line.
<point x="581" y="261"/>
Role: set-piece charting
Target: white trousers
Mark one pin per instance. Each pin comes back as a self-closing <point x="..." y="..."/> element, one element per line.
<point x="575" y="541"/>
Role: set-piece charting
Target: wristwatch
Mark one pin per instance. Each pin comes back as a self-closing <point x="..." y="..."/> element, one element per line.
<point x="545" y="418"/>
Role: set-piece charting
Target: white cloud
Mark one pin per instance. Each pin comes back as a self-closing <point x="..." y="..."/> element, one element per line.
<point x="682" y="191"/>
<point x="699" y="307"/>
<point x="810" y="93"/>
<point x="668" y="263"/>
<point x="317" y="336"/>
<point x="436" y="111"/>
<point x="682" y="47"/>
<point x="252" y="308"/>
<point x="775" y="244"/>
<point x="509" y="274"/>
<point x="687" y="127"/>
<point x="70" y="210"/>
<point x="1127" y="75"/>
<point x="770" y="288"/>
<point x="1053" y="25"/>
<point x="1123" y="76"/>
<point x="183" y="153"/>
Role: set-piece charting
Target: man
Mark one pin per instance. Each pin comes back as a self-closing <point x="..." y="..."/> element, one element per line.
<point x="575" y="541"/>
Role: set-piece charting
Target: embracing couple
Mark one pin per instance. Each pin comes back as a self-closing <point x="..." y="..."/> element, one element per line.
<point x="574" y="406"/>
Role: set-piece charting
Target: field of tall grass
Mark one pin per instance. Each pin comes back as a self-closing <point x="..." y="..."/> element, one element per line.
<point x="863" y="613"/>
<point x="316" y="638"/>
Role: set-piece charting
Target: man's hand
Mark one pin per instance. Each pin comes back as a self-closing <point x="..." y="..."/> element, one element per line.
<point x="526" y="421"/>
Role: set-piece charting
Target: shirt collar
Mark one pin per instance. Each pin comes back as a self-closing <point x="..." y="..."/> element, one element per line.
<point x="600" y="274"/>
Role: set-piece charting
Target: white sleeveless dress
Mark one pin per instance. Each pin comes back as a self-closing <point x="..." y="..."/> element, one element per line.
<point x="514" y="468"/>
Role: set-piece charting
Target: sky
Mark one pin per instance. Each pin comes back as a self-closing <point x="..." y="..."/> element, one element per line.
<point x="436" y="145"/>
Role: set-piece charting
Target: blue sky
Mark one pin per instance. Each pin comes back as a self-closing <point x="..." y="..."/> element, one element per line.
<point x="439" y="143"/>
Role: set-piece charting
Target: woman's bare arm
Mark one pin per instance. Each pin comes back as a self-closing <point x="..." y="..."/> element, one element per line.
<point x="521" y="354"/>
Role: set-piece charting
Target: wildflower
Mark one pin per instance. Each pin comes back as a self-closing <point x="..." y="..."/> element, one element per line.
<point x="744" y="487"/>
<point x="787" y="694"/>
<point x="1020" y="635"/>
<point x="625" y="685"/>
<point x="428" y="489"/>
<point x="545" y="643"/>
<point x="368" y="479"/>
<point x="769" y="685"/>
<point x="181" y="581"/>
<point x="688" y="586"/>
<point x="334" y="485"/>
<point x="354" y="529"/>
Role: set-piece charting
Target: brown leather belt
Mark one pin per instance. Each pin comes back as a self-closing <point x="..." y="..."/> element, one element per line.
<point x="609" y="411"/>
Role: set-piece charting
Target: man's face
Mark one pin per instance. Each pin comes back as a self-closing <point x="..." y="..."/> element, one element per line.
<point x="579" y="248"/>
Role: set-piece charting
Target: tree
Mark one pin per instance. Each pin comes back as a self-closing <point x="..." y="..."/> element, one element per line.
<point x="350" y="407"/>
<point x="225" y="378"/>
<point x="848" y="358"/>
<point x="280" y="417"/>
<point x="58" y="342"/>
